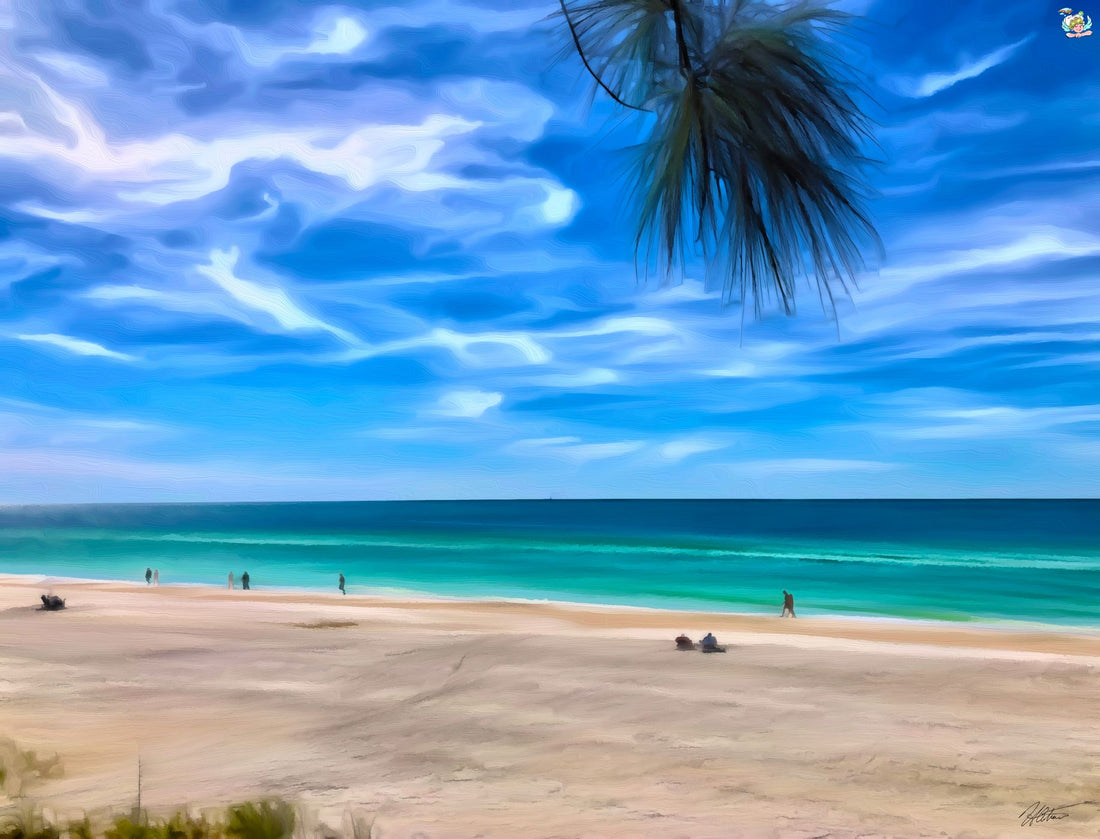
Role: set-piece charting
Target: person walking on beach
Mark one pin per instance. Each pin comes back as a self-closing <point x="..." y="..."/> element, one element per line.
<point x="231" y="580"/>
<point x="148" y="576"/>
<point x="244" y="581"/>
<point x="156" y="576"/>
<point x="788" y="604"/>
<point x="342" y="585"/>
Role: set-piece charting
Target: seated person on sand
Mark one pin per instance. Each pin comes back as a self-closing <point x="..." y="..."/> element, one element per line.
<point x="684" y="643"/>
<point x="709" y="643"/>
<point x="51" y="602"/>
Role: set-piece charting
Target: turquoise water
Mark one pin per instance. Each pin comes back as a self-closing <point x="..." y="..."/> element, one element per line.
<point x="1035" y="561"/>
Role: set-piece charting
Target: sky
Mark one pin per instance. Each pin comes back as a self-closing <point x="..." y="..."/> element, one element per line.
<point x="299" y="250"/>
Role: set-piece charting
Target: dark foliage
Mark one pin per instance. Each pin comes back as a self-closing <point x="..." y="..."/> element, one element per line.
<point x="754" y="163"/>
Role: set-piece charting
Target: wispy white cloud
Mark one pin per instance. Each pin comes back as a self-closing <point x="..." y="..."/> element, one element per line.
<point x="677" y="450"/>
<point x="808" y="466"/>
<point x="72" y="68"/>
<point x="586" y="452"/>
<point x="536" y="443"/>
<point x="572" y="450"/>
<point x="687" y="291"/>
<point x="34" y="425"/>
<point x="932" y="83"/>
<point x="335" y="35"/>
<point x="989" y="422"/>
<point x="943" y="347"/>
<point x="121" y="425"/>
<point x="539" y="202"/>
<point x="504" y="105"/>
<point x="1082" y="166"/>
<point x="1042" y="242"/>
<point x="188" y="302"/>
<point x="633" y="339"/>
<point x="641" y="325"/>
<point x="468" y="404"/>
<point x="581" y="378"/>
<point x="268" y="300"/>
<point x="478" y="349"/>
<point x="42" y="414"/>
<point x="901" y="300"/>
<point x="176" y="167"/>
<point x="733" y="370"/>
<point x="923" y="132"/>
<point x="77" y="346"/>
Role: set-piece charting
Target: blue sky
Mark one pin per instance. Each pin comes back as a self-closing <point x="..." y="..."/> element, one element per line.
<point x="300" y="250"/>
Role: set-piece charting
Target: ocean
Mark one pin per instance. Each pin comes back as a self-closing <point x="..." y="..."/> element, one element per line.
<point x="1036" y="561"/>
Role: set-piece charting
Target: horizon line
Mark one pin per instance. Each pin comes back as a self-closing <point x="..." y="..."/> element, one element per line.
<point x="548" y="499"/>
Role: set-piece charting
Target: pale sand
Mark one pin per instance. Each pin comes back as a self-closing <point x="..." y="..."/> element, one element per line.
<point x="455" y="719"/>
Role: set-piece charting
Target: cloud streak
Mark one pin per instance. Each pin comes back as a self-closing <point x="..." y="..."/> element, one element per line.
<point x="76" y="346"/>
<point x="930" y="84"/>
<point x="272" y="302"/>
<point x="467" y="404"/>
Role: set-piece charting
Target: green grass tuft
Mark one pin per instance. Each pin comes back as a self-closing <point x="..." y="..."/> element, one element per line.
<point x="27" y="824"/>
<point x="20" y="819"/>
<point x="271" y="819"/>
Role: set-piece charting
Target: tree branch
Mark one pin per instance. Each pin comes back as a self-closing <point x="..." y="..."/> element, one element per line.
<point x="685" y="59"/>
<point x="587" y="66"/>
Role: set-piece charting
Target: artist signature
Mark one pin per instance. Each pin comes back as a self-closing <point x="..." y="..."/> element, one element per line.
<point x="1039" y="812"/>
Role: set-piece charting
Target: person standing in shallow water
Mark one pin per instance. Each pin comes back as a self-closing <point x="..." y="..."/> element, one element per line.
<point x="148" y="576"/>
<point x="230" y="579"/>
<point x="788" y="604"/>
<point x="244" y="581"/>
<point x="342" y="585"/>
<point x="156" y="576"/>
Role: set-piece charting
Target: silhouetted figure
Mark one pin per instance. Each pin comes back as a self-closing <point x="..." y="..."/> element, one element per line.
<point x="51" y="602"/>
<point x="148" y="576"/>
<point x="244" y="581"/>
<point x="788" y="604"/>
<point x="230" y="579"/>
<point x="342" y="585"/>
<point x="684" y="643"/>
<point x="156" y="576"/>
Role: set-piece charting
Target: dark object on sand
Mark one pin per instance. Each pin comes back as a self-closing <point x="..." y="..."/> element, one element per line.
<point x="709" y="644"/>
<point x="684" y="643"/>
<point x="52" y="603"/>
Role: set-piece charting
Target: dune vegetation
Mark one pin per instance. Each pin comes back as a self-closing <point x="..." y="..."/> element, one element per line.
<point x="21" y="770"/>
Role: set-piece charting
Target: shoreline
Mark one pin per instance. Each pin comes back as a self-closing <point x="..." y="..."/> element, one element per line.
<point x="402" y="595"/>
<point x="614" y="620"/>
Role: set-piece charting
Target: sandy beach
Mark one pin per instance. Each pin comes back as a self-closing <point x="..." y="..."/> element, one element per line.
<point x="444" y="719"/>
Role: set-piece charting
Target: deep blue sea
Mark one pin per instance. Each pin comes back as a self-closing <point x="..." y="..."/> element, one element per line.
<point x="1026" y="560"/>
